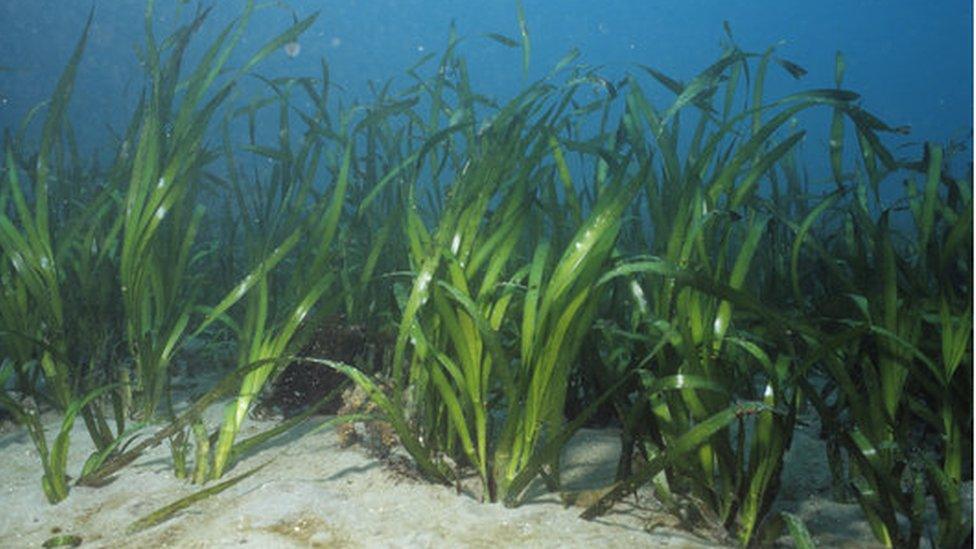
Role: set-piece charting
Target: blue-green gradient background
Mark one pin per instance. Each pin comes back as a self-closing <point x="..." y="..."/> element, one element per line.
<point x="911" y="61"/>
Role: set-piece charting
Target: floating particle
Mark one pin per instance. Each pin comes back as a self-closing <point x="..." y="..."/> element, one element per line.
<point x="292" y="49"/>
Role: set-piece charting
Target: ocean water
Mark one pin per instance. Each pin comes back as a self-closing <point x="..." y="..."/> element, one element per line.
<point x="911" y="61"/>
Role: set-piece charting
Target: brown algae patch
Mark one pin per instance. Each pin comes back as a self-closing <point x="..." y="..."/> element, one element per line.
<point x="310" y="532"/>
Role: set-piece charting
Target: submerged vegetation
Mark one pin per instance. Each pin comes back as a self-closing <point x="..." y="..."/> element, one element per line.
<point x="573" y="248"/>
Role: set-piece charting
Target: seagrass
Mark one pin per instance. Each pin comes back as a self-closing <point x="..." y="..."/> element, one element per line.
<point x="535" y="261"/>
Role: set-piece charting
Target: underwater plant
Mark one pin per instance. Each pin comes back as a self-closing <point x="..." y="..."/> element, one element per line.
<point x="265" y="335"/>
<point x="43" y="254"/>
<point x="162" y="216"/>
<point x="901" y="358"/>
<point x="697" y="365"/>
<point x="532" y="261"/>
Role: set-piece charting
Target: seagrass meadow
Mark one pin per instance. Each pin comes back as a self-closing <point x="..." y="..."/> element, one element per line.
<point x="468" y="295"/>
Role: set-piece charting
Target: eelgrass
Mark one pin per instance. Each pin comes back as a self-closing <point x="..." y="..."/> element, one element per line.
<point x="168" y="511"/>
<point x="267" y="334"/>
<point x="33" y="304"/>
<point x="695" y="364"/>
<point x="889" y="382"/>
<point x="45" y="353"/>
<point x="160" y="212"/>
<point x="492" y="239"/>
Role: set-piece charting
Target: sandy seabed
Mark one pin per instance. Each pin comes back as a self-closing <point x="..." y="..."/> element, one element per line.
<point x="314" y="493"/>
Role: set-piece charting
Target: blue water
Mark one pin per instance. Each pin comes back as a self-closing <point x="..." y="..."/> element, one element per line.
<point x="911" y="61"/>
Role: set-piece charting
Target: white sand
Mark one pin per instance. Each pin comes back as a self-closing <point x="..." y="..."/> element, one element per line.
<point x="316" y="494"/>
<point x="313" y="494"/>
